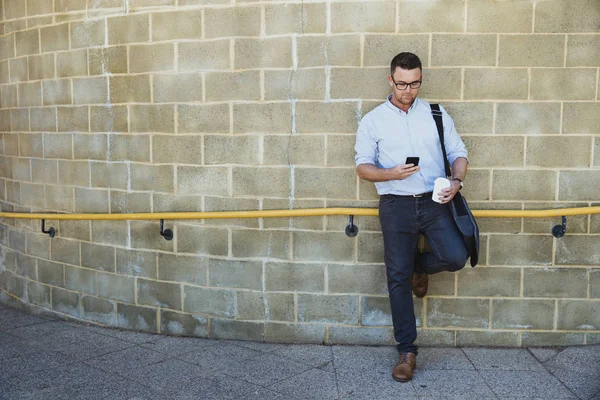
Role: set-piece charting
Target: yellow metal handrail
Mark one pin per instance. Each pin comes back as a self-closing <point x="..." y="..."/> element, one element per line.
<point x="307" y="212"/>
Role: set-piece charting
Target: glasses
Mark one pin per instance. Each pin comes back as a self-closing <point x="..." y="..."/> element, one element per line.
<point x="404" y="85"/>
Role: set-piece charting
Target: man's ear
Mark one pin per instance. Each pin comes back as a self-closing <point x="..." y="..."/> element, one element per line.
<point x="390" y="81"/>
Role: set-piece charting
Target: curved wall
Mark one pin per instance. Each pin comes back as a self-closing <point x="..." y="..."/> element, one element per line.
<point x="200" y="105"/>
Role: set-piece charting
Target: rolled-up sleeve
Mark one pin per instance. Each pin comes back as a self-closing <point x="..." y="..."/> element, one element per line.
<point x="366" y="145"/>
<point x="455" y="148"/>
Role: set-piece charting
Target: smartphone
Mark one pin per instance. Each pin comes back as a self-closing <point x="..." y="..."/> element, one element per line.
<point x="412" y="160"/>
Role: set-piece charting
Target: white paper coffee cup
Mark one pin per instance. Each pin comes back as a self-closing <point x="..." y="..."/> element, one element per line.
<point x="438" y="185"/>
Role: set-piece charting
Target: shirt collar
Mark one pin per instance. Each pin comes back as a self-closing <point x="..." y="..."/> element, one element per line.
<point x="389" y="103"/>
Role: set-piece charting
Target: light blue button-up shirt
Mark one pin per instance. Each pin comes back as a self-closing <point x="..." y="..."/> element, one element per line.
<point x="387" y="135"/>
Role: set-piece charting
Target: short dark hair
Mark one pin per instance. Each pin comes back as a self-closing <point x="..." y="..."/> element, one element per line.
<point x="405" y="61"/>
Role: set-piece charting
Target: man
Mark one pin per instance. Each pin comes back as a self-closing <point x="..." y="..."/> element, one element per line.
<point x="404" y="127"/>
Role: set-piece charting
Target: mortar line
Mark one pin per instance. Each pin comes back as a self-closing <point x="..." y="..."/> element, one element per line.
<point x="565" y="51"/>
<point x="466" y="15"/>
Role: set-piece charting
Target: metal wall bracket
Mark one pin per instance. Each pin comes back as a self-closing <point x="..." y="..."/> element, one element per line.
<point x="166" y="233"/>
<point x="50" y="232"/>
<point x="559" y="230"/>
<point x="351" y="229"/>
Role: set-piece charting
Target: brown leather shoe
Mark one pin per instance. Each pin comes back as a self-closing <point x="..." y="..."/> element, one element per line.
<point x="404" y="369"/>
<point x="419" y="284"/>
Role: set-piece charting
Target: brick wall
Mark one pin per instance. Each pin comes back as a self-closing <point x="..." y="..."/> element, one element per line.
<point x="204" y="105"/>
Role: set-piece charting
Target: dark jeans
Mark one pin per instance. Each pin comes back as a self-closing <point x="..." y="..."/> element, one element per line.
<point x="402" y="220"/>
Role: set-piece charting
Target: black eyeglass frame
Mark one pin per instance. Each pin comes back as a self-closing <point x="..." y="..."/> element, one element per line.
<point x="406" y="85"/>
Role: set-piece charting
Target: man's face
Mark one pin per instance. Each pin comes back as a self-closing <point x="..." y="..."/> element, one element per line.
<point x="404" y="76"/>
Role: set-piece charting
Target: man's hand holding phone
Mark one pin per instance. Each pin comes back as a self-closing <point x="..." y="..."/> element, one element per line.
<point x="411" y="166"/>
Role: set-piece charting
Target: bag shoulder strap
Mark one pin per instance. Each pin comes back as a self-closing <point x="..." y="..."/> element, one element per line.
<point x="437" y="117"/>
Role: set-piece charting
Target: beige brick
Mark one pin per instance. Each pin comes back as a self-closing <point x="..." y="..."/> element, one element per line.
<point x="79" y="230"/>
<point x="167" y="202"/>
<point x="337" y="117"/>
<point x="263" y="53"/>
<point x="71" y="63"/>
<point x="202" y="240"/>
<point x="30" y="94"/>
<point x="32" y="195"/>
<point x="321" y="246"/>
<point x="123" y="202"/>
<point x="232" y="21"/>
<point x="97" y="257"/>
<point x="69" y="5"/>
<point x="108" y="60"/>
<point x="516" y="185"/>
<point x="577" y="223"/>
<point x="182" y="269"/>
<point x="471" y="117"/>
<point x="528" y="118"/>
<point x="262" y="118"/>
<point x="520" y="250"/>
<point x="36" y="7"/>
<point x="487" y="83"/>
<point x="368" y="83"/>
<point x="11" y="144"/>
<point x="489" y="282"/>
<point x="21" y="169"/>
<point x="4" y="78"/>
<point x="7" y="47"/>
<point x="110" y="232"/>
<point x="522" y="314"/>
<point x="295" y="333"/>
<point x="531" y="51"/>
<point x="583" y="314"/>
<point x="244" y="85"/>
<point x="72" y="119"/>
<point x="337" y="183"/>
<point x="328" y="309"/>
<point x="38" y="245"/>
<point x="295" y="18"/>
<point x="555" y="282"/>
<point x="303" y="84"/>
<point x="91" y="200"/>
<point x="177" y="25"/>
<point x="202" y="180"/>
<point x="215" y="55"/>
<point x="41" y="67"/>
<point x="209" y="301"/>
<point x="145" y="235"/>
<point x="136" y="263"/>
<point x="31" y="145"/>
<point x="583" y="51"/>
<point x="162" y="294"/>
<point x="582" y="84"/>
<point x="124" y="89"/>
<point x="231" y="204"/>
<point x="44" y="171"/>
<point x="55" y="38"/>
<point x="362" y="17"/>
<point x="87" y="34"/>
<point x="9" y="95"/>
<point x="295" y="277"/>
<point x="464" y="313"/>
<point x="499" y="16"/>
<point x="297" y="150"/>
<point x="128" y="29"/>
<point x="596" y="152"/>
<point x="93" y="147"/>
<point x="109" y="175"/>
<point x="463" y="50"/>
<point x="252" y="243"/>
<point x="177" y="149"/>
<point x="441" y="83"/>
<point x="555" y="152"/>
<point x="14" y="9"/>
<point x="58" y="145"/>
<point x="381" y="49"/>
<point x="235" y="274"/>
<point x="595" y="283"/>
<point x="210" y="118"/>
<point x="270" y="182"/>
<point x="152" y="57"/>
<point x="177" y="88"/>
<point x="430" y="15"/>
<point x="57" y="92"/>
<point x="18" y="70"/>
<point x="362" y="279"/>
<point x="370" y="245"/>
<point x="254" y="306"/>
<point x="581" y="118"/>
<point x="39" y="22"/>
<point x="27" y="42"/>
<point x="337" y="50"/>
<point x="80" y="279"/>
<point x="108" y="119"/>
<point x="576" y="16"/>
<point x="230" y="149"/>
<point x="340" y="150"/>
<point x="578" y="185"/>
<point x="157" y="178"/>
<point x="73" y="173"/>
<point x="60" y="198"/>
<point x="152" y="118"/>
<point x="19" y="120"/>
<point x="90" y="91"/>
<point x="483" y="151"/>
